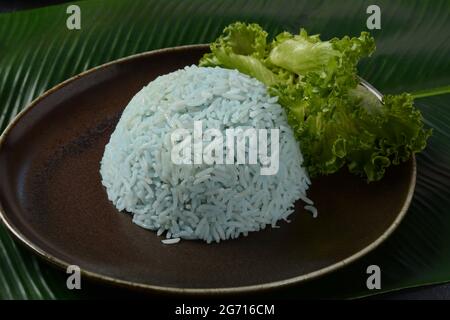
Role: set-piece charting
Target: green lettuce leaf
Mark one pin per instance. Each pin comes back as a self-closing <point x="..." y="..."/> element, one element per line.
<point x="242" y="47"/>
<point x="336" y="121"/>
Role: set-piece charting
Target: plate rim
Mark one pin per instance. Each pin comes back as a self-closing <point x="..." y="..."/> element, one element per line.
<point x="92" y="275"/>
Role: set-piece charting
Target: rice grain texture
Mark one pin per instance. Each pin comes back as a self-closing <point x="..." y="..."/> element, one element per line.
<point x="199" y="201"/>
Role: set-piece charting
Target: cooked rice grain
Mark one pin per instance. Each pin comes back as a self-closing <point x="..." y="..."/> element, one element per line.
<point x="208" y="202"/>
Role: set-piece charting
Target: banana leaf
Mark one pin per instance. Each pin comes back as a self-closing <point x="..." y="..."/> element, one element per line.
<point x="37" y="51"/>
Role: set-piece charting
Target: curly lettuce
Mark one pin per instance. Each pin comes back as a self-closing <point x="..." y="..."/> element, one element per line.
<point x="337" y="121"/>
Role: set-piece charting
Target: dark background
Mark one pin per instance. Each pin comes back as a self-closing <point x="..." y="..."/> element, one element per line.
<point x="440" y="292"/>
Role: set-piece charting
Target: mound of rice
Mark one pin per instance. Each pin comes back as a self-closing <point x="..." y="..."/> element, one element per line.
<point x="199" y="201"/>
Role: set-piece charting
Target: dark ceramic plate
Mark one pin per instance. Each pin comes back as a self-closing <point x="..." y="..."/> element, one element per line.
<point x="52" y="199"/>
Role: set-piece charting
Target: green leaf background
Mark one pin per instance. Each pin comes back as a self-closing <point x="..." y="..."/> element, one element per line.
<point x="37" y="51"/>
